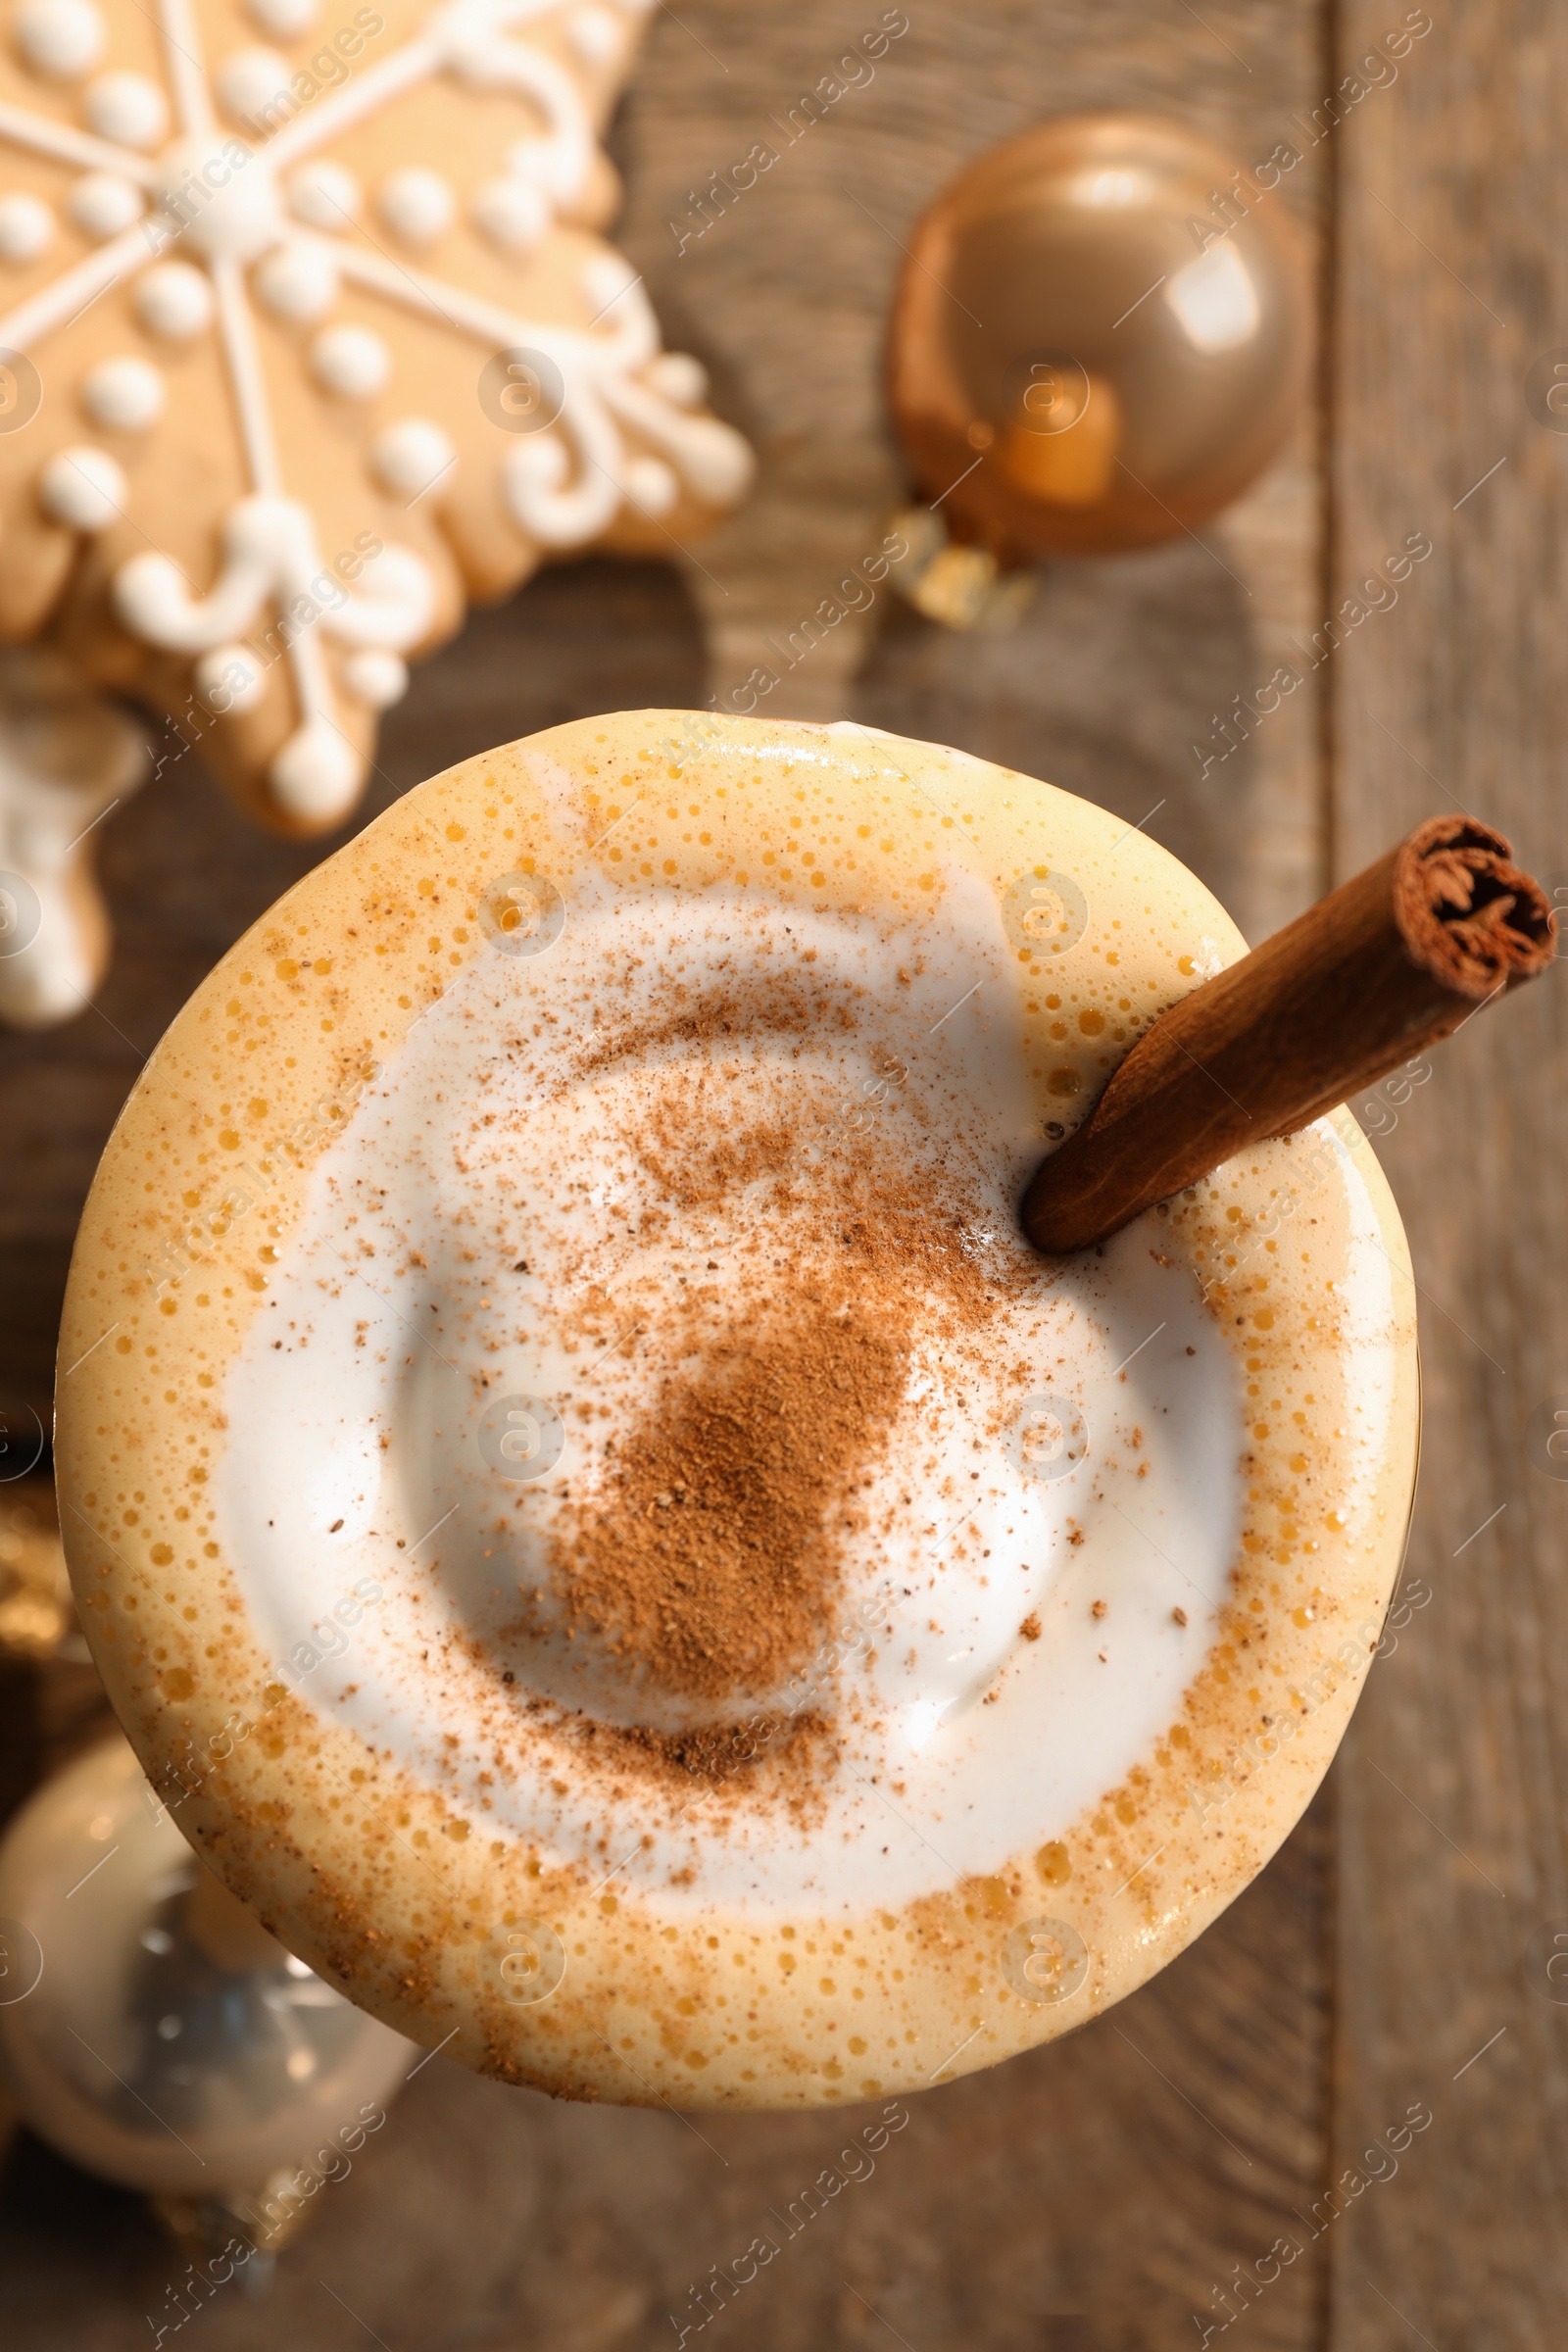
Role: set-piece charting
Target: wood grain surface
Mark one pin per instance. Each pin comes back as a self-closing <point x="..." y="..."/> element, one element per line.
<point x="1093" y="2197"/>
<point x="1453" y="280"/>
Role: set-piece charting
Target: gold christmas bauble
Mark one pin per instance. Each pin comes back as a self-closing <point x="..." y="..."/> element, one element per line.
<point x="1102" y="336"/>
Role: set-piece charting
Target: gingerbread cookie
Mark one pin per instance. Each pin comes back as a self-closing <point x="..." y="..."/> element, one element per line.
<point x="67" y="761"/>
<point x="310" y="334"/>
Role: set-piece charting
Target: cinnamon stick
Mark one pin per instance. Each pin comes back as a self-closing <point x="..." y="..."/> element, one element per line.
<point x="1372" y="974"/>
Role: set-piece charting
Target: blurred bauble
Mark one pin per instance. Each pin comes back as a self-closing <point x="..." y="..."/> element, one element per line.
<point x="149" y="2029"/>
<point x="1101" y="337"/>
<point x="35" y="1608"/>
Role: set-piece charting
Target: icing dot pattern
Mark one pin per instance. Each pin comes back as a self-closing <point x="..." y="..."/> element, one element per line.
<point x="250" y="80"/>
<point x="376" y="677"/>
<point x="102" y="205"/>
<point x="284" y="20"/>
<point x="233" y="243"/>
<point x="351" y="362"/>
<point x="511" y="212"/>
<point x="82" y="488"/>
<point x="123" y="395"/>
<point x="27" y="228"/>
<point x="411" y="455"/>
<point x="298" y="284"/>
<point x="230" y="678"/>
<point x="594" y="35"/>
<point x="174" y="301"/>
<point x="416" y="205"/>
<point x="128" y="107"/>
<point x="61" y="38"/>
<point x="325" y="195"/>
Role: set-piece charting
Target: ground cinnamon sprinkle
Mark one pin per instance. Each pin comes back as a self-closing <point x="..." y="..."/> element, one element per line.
<point x="706" y="1555"/>
<point x="779" y="1006"/>
<point x="712" y="1569"/>
<point x="696" y="1158"/>
<point x="770" y="1755"/>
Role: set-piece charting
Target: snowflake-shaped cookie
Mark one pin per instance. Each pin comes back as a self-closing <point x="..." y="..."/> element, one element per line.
<point x="308" y="337"/>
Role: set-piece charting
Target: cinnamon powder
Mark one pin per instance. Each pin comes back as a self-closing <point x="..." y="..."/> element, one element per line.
<point x="711" y="1568"/>
<point x="776" y="1755"/>
<point x="706" y="1557"/>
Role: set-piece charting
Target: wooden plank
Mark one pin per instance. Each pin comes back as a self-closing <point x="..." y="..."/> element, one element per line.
<point x="1453" y="278"/>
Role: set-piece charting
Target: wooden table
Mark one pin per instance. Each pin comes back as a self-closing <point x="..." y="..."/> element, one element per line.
<point x="1091" y="2198"/>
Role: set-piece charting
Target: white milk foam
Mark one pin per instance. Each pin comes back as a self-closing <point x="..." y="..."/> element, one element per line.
<point x="481" y="1147"/>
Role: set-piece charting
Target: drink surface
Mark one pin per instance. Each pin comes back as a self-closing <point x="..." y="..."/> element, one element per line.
<point x="699" y="1607"/>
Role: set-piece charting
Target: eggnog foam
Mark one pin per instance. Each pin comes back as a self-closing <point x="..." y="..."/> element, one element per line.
<point x="481" y="1145"/>
<point x="660" y="1520"/>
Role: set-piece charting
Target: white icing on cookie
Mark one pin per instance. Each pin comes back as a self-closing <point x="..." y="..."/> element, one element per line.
<point x="473" y="48"/>
<point x="416" y="205"/>
<point x="271" y="556"/>
<point x="376" y="677"/>
<point x="271" y="561"/>
<point x="82" y="488"/>
<point x="249" y="79"/>
<point x="651" y="484"/>
<point x="607" y="279"/>
<point x="123" y="395"/>
<point x="351" y="362"/>
<point x="618" y="432"/>
<point x="27" y="226"/>
<point x="174" y="301"/>
<point x="533" y="480"/>
<point x="716" y="459"/>
<point x="284" y="20"/>
<point x="297" y="283"/>
<point x="316" y="775"/>
<point x="129" y="109"/>
<point x="325" y="195"/>
<point x="230" y="678"/>
<point x="512" y="214"/>
<point x="61" y="38"/>
<point x="678" y="378"/>
<point x="411" y="454"/>
<point x="218" y="211"/>
<point x="594" y="35"/>
<point x="65" y="758"/>
<point x="103" y="203"/>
